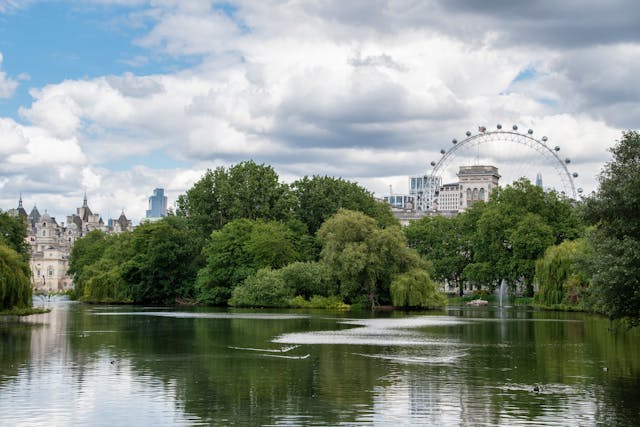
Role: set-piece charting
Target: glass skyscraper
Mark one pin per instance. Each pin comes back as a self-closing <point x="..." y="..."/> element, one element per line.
<point x="157" y="204"/>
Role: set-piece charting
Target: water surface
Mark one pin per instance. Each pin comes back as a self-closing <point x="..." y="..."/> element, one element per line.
<point x="96" y="365"/>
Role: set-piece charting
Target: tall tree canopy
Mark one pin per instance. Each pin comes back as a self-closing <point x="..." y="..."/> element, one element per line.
<point x="246" y="190"/>
<point x="615" y="266"/>
<point x="319" y="197"/>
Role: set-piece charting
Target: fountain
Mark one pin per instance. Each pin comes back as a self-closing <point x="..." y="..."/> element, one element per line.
<point x="503" y="291"/>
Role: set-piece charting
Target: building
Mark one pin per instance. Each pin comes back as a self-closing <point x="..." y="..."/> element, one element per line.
<point x="449" y="198"/>
<point x="157" y="204"/>
<point x="422" y="188"/>
<point x="476" y="184"/>
<point x="51" y="242"/>
<point x="400" y="201"/>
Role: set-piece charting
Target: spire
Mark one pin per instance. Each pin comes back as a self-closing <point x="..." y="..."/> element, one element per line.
<point x="20" y="201"/>
<point x="84" y="202"/>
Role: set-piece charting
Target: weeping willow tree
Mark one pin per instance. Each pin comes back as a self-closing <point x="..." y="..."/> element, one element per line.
<point x="559" y="280"/>
<point x="15" y="286"/>
<point x="416" y="289"/>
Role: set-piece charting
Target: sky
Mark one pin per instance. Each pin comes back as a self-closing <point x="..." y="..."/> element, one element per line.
<point x="114" y="98"/>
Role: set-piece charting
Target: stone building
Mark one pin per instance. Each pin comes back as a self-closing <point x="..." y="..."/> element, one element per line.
<point x="51" y="242"/>
<point x="476" y="184"/>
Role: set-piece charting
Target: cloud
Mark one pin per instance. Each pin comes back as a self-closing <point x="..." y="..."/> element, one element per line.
<point x="369" y="90"/>
<point x="7" y="85"/>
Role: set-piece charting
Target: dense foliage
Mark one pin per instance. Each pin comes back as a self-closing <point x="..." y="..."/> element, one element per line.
<point x="239" y="250"/>
<point x="240" y="237"/>
<point x="559" y="274"/>
<point x="615" y="266"/>
<point x="15" y="283"/>
<point x="363" y="257"/>
<point x="13" y="234"/>
<point x="319" y="197"/>
<point x="498" y="240"/>
<point x="155" y="264"/>
<point x="246" y="190"/>
<point x="15" y="275"/>
<point x="415" y="289"/>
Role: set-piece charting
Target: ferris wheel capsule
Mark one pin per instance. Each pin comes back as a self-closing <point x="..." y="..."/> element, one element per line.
<point x="575" y="174"/>
<point x="442" y="151"/>
<point x="514" y="127"/>
<point x="544" y="139"/>
<point x="468" y="133"/>
<point x="530" y="131"/>
<point x="499" y="126"/>
<point x="567" y="160"/>
<point x="580" y="190"/>
<point x="433" y="163"/>
<point x="454" y="141"/>
<point x="557" y="148"/>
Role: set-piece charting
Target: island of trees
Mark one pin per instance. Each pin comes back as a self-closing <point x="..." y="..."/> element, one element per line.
<point x="240" y="237"/>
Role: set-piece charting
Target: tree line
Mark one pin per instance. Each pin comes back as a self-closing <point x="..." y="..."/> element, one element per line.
<point x="241" y="237"/>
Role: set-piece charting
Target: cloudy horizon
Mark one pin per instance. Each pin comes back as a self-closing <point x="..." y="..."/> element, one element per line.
<point x="114" y="98"/>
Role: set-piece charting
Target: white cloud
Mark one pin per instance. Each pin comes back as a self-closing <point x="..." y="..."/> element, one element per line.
<point x="369" y="91"/>
<point x="7" y="85"/>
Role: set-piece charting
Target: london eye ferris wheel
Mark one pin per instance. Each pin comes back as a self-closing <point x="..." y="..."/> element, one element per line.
<point x="516" y="154"/>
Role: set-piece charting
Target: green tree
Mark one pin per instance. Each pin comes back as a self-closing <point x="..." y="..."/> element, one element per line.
<point x="86" y="251"/>
<point x="246" y="190"/>
<point x="319" y="197"/>
<point x="445" y="242"/>
<point x="615" y="266"/>
<point x="13" y="233"/>
<point x="238" y="250"/>
<point x="307" y="279"/>
<point x="164" y="262"/>
<point x="559" y="275"/>
<point x="416" y="289"/>
<point x="15" y="286"/>
<point x="363" y="257"/>
<point x="265" y="288"/>
<point x="514" y="229"/>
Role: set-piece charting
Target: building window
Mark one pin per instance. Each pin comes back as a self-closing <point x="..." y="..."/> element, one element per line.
<point x="50" y="271"/>
<point x="482" y="195"/>
<point x="44" y="233"/>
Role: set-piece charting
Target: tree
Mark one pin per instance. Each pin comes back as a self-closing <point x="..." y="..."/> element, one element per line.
<point x="240" y="249"/>
<point x="513" y="230"/>
<point x="246" y="190"/>
<point x="445" y="242"/>
<point x="15" y="286"/>
<point x="615" y="267"/>
<point x="363" y="257"/>
<point x="319" y="197"/>
<point x="13" y="233"/>
<point x="164" y="262"/>
<point x="416" y="289"/>
<point x="86" y="251"/>
<point x="266" y="288"/>
<point x="559" y="275"/>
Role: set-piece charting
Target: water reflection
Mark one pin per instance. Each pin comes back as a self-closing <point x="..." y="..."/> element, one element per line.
<point x="117" y="365"/>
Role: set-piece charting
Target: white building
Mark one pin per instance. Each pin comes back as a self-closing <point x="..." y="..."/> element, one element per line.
<point x="449" y="198"/>
<point x="51" y="242"/>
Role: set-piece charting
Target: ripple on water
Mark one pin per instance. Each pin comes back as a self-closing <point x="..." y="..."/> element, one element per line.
<point x="376" y="332"/>
<point x="187" y="315"/>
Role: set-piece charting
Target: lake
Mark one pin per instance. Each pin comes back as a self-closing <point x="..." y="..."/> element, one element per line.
<point x="123" y="365"/>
